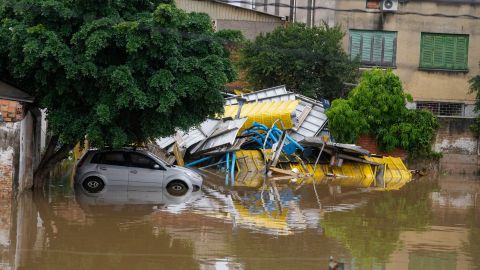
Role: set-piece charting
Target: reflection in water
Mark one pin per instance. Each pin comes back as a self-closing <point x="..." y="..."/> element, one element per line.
<point x="428" y="224"/>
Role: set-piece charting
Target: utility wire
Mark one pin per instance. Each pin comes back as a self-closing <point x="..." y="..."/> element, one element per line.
<point x="354" y="10"/>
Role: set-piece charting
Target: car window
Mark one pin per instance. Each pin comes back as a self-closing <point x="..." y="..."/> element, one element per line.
<point x="113" y="158"/>
<point x="141" y="161"/>
<point x="96" y="158"/>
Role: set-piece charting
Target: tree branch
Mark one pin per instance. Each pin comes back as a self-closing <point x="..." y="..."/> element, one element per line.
<point x="48" y="163"/>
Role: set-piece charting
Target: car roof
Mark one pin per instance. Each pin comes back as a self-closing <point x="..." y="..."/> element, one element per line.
<point x="143" y="151"/>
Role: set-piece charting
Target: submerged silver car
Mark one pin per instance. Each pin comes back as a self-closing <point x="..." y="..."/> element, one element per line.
<point x="98" y="170"/>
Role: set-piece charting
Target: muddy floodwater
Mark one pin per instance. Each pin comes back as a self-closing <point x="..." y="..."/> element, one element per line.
<point x="431" y="223"/>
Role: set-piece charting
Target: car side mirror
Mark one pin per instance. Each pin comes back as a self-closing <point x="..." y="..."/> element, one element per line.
<point x="156" y="167"/>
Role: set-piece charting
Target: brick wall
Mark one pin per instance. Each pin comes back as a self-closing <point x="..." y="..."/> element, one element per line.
<point x="370" y="143"/>
<point x="10" y="111"/>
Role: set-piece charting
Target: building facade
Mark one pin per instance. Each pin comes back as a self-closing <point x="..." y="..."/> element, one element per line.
<point x="226" y="16"/>
<point x="432" y="45"/>
<point x="309" y="12"/>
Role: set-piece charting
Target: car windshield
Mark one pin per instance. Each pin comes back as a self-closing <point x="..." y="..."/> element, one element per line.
<point x="163" y="162"/>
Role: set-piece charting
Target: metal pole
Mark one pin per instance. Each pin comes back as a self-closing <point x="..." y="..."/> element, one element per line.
<point x="232" y="169"/>
<point x="227" y="172"/>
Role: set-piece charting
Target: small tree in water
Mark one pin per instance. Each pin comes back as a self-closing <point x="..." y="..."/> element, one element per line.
<point x="118" y="72"/>
<point x="377" y="106"/>
<point x="309" y="60"/>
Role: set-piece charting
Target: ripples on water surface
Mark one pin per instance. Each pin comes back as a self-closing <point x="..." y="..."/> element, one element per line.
<point x="428" y="224"/>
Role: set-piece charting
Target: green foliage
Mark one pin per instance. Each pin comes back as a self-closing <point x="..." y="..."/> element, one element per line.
<point x="377" y="107"/>
<point x="231" y="37"/>
<point x="309" y="60"/>
<point x="475" y="88"/>
<point x="119" y="71"/>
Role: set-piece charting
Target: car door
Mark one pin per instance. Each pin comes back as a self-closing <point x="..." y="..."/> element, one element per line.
<point x="145" y="173"/>
<point x="114" y="167"/>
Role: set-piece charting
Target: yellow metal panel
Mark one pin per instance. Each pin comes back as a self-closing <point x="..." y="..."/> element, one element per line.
<point x="395" y="170"/>
<point x="265" y="113"/>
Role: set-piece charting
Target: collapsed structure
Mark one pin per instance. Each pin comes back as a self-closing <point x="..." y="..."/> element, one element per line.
<point x="281" y="135"/>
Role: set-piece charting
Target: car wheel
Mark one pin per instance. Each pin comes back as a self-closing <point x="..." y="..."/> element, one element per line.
<point x="177" y="188"/>
<point x="93" y="184"/>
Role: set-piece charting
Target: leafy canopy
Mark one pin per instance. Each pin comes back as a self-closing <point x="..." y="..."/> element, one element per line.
<point x="475" y="88"/>
<point x="118" y="71"/>
<point x="377" y="106"/>
<point x="309" y="60"/>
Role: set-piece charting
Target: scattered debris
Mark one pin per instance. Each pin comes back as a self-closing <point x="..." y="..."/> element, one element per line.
<point x="282" y="136"/>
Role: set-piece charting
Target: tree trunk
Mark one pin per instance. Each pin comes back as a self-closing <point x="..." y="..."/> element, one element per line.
<point x="51" y="157"/>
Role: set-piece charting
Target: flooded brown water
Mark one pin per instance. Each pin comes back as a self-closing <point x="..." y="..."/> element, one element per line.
<point x="428" y="224"/>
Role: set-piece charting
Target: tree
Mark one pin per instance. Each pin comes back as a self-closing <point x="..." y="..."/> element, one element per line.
<point x="377" y="106"/>
<point x="309" y="60"/>
<point x="118" y="72"/>
<point x="475" y="88"/>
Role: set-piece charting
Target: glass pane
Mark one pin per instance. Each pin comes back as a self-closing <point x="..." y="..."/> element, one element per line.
<point x="113" y="158"/>
<point x="141" y="161"/>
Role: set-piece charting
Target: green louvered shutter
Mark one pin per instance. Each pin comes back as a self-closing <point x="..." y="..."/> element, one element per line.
<point x="367" y="40"/>
<point x="438" y="51"/>
<point x="355" y="42"/>
<point x="426" y="53"/>
<point x="373" y="47"/>
<point x="377" y="49"/>
<point x="461" y="53"/>
<point x="444" y="51"/>
<point x="449" y="52"/>
<point x="389" y="49"/>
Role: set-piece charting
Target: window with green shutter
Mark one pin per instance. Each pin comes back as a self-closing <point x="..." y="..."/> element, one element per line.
<point x="444" y="51"/>
<point x="373" y="48"/>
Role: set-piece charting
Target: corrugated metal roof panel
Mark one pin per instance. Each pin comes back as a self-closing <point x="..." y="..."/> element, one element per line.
<point x="193" y="136"/>
<point x="314" y="121"/>
<point x="261" y="95"/>
<point x="224" y="134"/>
<point x="309" y="112"/>
<point x="165" y="142"/>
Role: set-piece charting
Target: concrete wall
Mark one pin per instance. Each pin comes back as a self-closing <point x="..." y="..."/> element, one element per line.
<point x="9" y="149"/>
<point x="250" y="29"/>
<point x="441" y="86"/>
<point x="459" y="146"/>
<point x="21" y="145"/>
